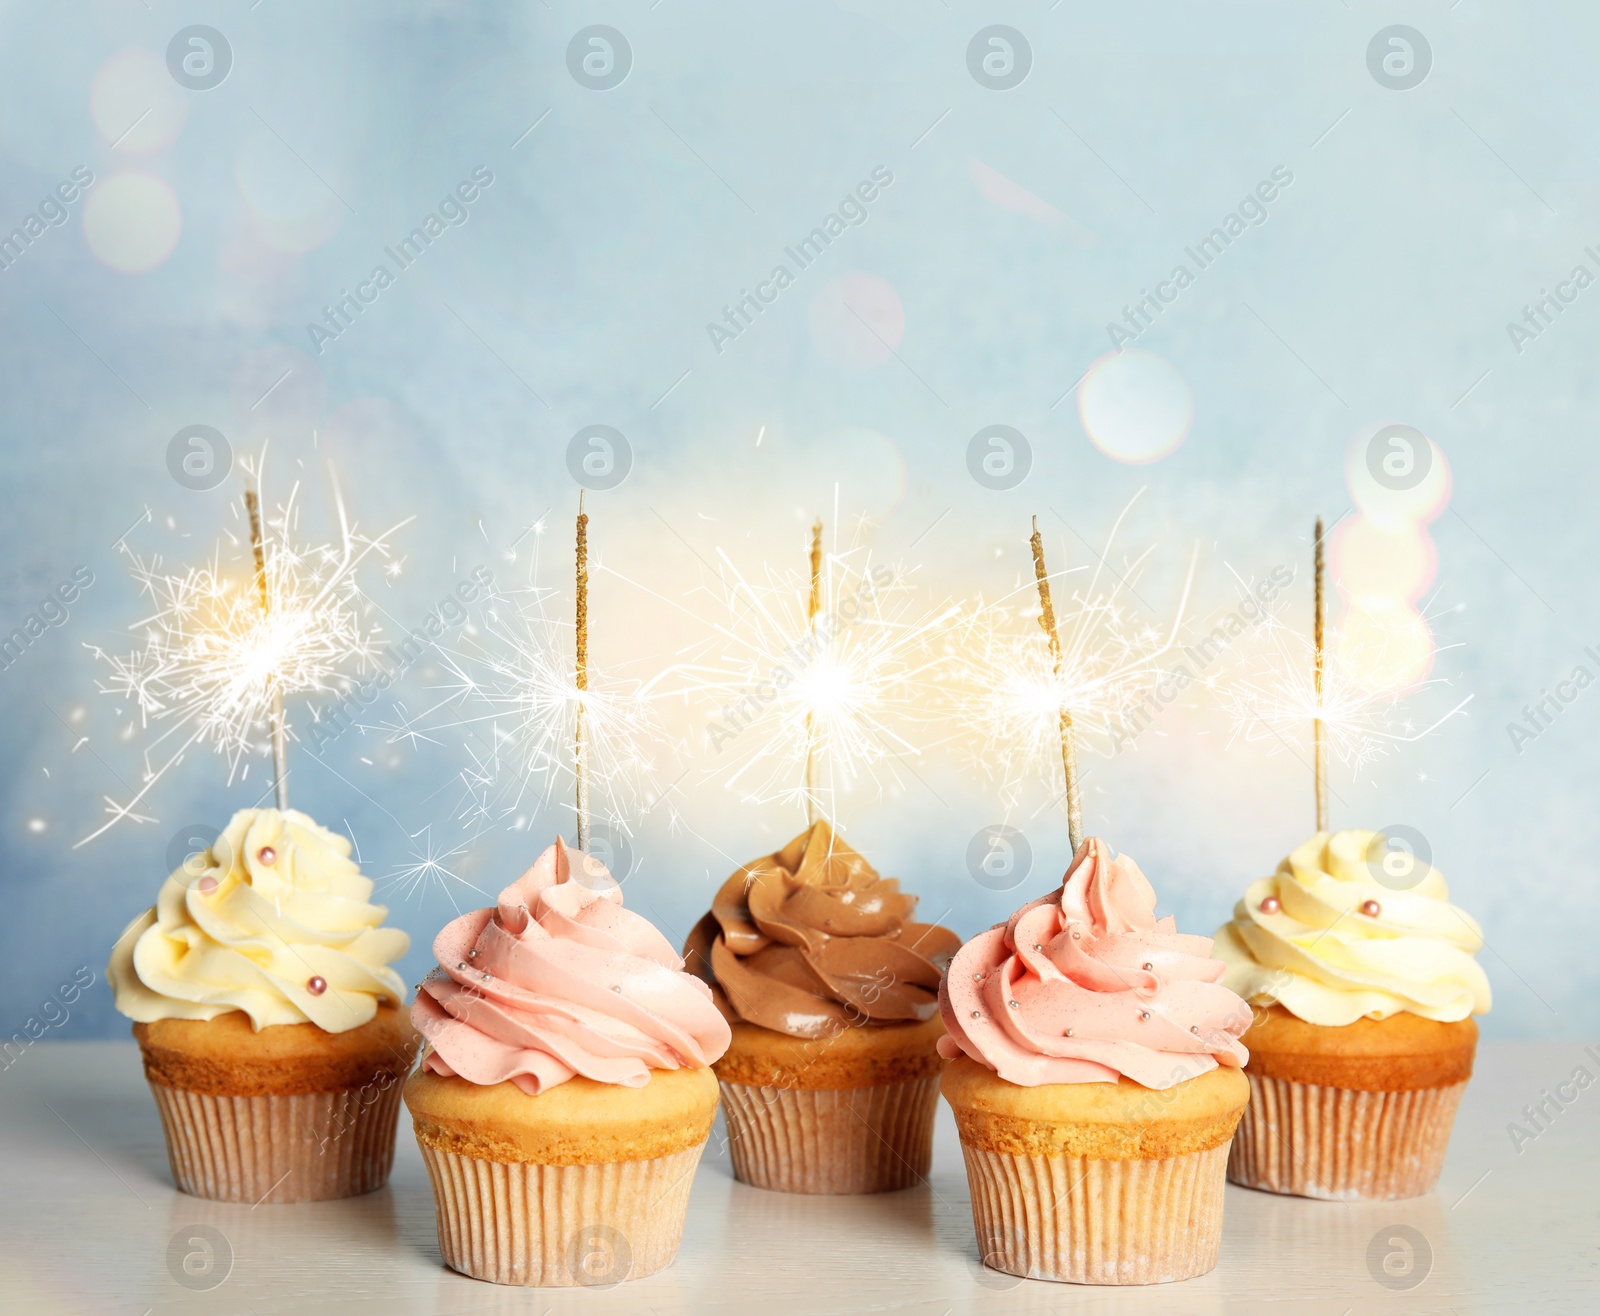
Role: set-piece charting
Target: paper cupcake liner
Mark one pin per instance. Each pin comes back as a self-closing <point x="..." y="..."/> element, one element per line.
<point x="1090" y="1221"/>
<point x="308" y="1147"/>
<point x="831" y="1140"/>
<point x="1341" y="1144"/>
<point x="554" y="1226"/>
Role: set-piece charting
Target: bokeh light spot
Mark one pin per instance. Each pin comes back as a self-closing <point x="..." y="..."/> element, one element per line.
<point x="1394" y="487"/>
<point x="1135" y="406"/>
<point x="857" y="321"/>
<point x="135" y="103"/>
<point x="1384" y="646"/>
<point x="132" y="221"/>
<point x="1366" y="558"/>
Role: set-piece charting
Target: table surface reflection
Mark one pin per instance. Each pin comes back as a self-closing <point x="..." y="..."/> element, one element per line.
<point x="89" y="1213"/>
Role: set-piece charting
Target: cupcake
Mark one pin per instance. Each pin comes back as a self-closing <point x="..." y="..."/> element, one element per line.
<point x="269" y="1021"/>
<point x="1096" y="1083"/>
<point x="564" y="1095"/>
<point x="831" y="990"/>
<point x="1363" y="1036"/>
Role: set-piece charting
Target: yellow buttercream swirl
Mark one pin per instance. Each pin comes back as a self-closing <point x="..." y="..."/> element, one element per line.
<point x="1328" y="963"/>
<point x="275" y="903"/>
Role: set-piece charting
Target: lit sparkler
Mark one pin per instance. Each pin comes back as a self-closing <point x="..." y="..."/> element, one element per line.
<point x="538" y="720"/>
<point x="819" y="681"/>
<point x="226" y="642"/>
<point x="1289" y="682"/>
<point x="1030" y="690"/>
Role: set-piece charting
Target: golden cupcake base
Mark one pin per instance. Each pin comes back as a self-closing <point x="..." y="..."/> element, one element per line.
<point x="1082" y="1220"/>
<point x="560" y="1226"/>
<point x="309" y="1147"/>
<point x="831" y="1140"/>
<point x="1096" y="1183"/>
<point x="287" y="1114"/>
<point x="1343" y="1145"/>
<point x="586" y="1184"/>
<point x="1351" y="1112"/>
<point x="841" y="1114"/>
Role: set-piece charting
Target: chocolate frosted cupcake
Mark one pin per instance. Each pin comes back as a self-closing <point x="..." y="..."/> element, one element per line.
<point x="1364" y="985"/>
<point x="832" y="993"/>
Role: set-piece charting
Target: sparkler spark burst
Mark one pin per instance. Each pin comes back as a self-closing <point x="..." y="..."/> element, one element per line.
<point x="432" y="865"/>
<point x="1003" y="688"/>
<point x="849" y="690"/>
<point x="510" y="686"/>
<point x="212" y="663"/>
<point x="1271" y="695"/>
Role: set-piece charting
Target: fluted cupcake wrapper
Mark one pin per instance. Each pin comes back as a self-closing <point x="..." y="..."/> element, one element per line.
<point x="306" y="1147"/>
<point x="1341" y="1144"/>
<point x="556" y="1226"/>
<point x="831" y="1140"/>
<point x="1085" y="1220"/>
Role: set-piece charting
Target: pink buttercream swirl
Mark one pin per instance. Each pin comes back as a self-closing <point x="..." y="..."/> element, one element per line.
<point x="559" y="980"/>
<point x="1086" y="985"/>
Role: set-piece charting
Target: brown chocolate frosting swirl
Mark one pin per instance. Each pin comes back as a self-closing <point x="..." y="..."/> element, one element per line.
<point x="811" y="940"/>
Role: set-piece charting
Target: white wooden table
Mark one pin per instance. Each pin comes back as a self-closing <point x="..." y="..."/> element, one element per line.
<point x="88" y="1214"/>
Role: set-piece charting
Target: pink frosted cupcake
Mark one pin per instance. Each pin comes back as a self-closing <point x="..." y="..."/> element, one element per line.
<point x="565" y="1094"/>
<point x="1096" y="1083"/>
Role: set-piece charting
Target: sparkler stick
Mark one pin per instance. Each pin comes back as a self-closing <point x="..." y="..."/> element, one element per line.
<point x="1100" y="667"/>
<point x="1319" y="732"/>
<point x="580" y="749"/>
<point x="218" y="656"/>
<point x="1292" y="678"/>
<point x="280" y="754"/>
<point x="848" y="689"/>
<point x="813" y="606"/>
<point x="1069" y="756"/>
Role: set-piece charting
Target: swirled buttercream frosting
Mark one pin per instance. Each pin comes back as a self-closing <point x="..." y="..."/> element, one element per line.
<point x="1347" y="929"/>
<point x="559" y="979"/>
<point x="810" y="940"/>
<point x="1086" y="985"/>
<point x="273" y="919"/>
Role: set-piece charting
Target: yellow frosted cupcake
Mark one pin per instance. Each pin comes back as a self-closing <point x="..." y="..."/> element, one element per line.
<point x="1364" y="988"/>
<point x="565" y="1094"/>
<point x="1096" y="1085"/>
<point x="267" y="1016"/>
<point x="832" y="1077"/>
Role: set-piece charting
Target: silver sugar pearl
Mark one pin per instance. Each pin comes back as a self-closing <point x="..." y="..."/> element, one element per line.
<point x="1069" y="1032"/>
<point x="1195" y="1029"/>
<point x="462" y="965"/>
<point x="486" y="977"/>
<point x="1148" y="967"/>
<point x="472" y="954"/>
<point x="1144" y="1016"/>
<point x="977" y="977"/>
<point x="1013" y="1005"/>
<point x="977" y="1014"/>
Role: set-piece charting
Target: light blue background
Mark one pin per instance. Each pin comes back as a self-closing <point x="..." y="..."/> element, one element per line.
<point x="579" y="291"/>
